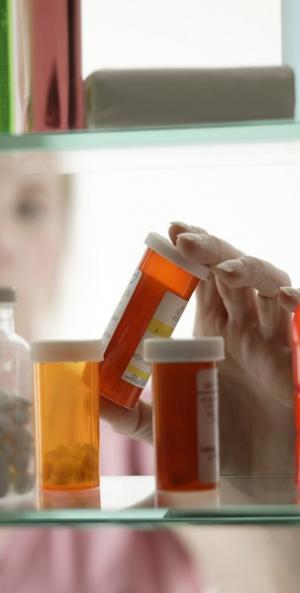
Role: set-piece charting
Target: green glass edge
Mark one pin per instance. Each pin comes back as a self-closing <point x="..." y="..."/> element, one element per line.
<point x="11" y="59"/>
<point x="105" y="139"/>
<point x="4" y="67"/>
<point x="273" y="514"/>
<point x="74" y="516"/>
<point x="7" y="116"/>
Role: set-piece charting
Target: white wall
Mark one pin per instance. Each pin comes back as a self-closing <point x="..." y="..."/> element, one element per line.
<point x="144" y="33"/>
<point x="254" y="207"/>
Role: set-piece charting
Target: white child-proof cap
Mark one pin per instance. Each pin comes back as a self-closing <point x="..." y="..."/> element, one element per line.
<point x="163" y="247"/>
<point x="67" y="351"/>
<point x="184" y="350"/>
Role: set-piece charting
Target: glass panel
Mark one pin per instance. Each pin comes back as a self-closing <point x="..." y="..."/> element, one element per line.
<point x="133" y="500"/>
<point x="206" y="134"/>
<point x="257" y="34"/>
<point x="217" y="145"/>
<point x="235" y="204"/>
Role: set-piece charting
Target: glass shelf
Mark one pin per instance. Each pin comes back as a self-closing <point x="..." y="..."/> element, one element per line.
<point x="133" y="501"/>
<point x="263" y="143"/>
<point x="263" y="131"/>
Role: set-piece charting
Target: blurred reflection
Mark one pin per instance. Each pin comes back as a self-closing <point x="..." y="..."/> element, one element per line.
<point x="10" y="503"/>
<point x="73" y="499"/>
<point x="198" y="501"/>
<point x="205" y="499"/>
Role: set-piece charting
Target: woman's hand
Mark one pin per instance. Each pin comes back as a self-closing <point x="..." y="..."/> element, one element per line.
<point x="135" y="423"/>
<point x="242" y="301"/>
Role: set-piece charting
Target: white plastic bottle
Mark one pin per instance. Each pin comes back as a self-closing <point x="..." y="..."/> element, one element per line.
<point x="16" y="407"/>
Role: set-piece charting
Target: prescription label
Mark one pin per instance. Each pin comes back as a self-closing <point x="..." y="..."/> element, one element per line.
<point x="119" y="311"/>
<point x="161" y="325"/>
<point x="207" y="425"/>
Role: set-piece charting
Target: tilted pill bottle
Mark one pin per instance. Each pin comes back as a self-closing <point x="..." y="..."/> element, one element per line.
<point x="66" y="381"/>
<point x="185" y="407"/>
<point x="17" y="458"/>
<point x="152" y="305"/>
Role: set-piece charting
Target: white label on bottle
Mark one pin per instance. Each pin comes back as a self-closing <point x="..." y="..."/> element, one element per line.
<point x="161" y="325"/>
<point x="207" y="426"/>
<point x="119" y="311"/>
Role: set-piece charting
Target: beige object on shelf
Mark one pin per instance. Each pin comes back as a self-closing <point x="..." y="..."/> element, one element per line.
<point x="145" y="98"/>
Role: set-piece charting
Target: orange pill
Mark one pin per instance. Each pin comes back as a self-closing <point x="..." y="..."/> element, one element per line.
<point x="78" y="472"/>
<point x="90" y="460"/>
<point x="47" y="469"/>
<point x="62" y="472"/>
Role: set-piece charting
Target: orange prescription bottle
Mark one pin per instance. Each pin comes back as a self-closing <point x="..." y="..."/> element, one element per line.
<point x="151" y="306"/>
<point x="296" y="369"/>
<point x="185" y="405"/>
<point x="66" y="381"/>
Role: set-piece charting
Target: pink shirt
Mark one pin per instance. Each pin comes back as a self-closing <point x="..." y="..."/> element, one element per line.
<point x="108" y="560"/>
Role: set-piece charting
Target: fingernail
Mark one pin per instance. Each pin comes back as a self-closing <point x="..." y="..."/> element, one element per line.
<point x="291" y="292"/>
<point x="231" y="266"/>
<point x="179" y="223"/>
<point x="192" y="237"/>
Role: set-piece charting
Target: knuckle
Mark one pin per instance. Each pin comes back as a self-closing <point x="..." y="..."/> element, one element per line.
<point x="199" y="230"/>
<point x="216" y="243"/>
<point x="255" y="268"/>
<point x="263" y="272"/>
<point x="285" y="279"/>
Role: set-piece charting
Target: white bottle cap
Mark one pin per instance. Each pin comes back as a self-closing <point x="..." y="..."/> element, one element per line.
<point x="184" y="350"/>
<point x="67" y="351"/>
<point x="7" y="295"/>
<point x="164" y="247"/>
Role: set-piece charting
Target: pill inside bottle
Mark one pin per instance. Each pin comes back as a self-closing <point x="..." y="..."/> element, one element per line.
<point x="185" y="406"/>
<point x="152" y="305"/>
<point x="66" y="380"/>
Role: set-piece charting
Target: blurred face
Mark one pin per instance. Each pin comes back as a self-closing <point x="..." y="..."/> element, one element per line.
<point x="32" y="225"/>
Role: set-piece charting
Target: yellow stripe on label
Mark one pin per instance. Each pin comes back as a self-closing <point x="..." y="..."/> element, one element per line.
<point x="135" y="371"/>
<point x="160" y="329"/>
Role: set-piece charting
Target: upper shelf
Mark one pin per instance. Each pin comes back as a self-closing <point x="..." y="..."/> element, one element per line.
<point x="264" y="131"/>
<point x="163" y="148"/>
<point x="132" y="500"/>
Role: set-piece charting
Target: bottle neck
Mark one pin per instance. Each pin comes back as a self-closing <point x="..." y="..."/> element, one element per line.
<point x="7" y="320"/>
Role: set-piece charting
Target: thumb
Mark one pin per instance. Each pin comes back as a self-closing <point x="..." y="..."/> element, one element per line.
<point x="135" y="423"/>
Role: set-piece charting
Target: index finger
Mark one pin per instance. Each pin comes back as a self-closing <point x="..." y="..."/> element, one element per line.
<point x="196" y="245"/>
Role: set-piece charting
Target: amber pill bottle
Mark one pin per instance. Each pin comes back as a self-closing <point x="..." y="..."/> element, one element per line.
<point x="66" y="384"/>
<point x="152" y="305"/>
<point x="185" y="407"/>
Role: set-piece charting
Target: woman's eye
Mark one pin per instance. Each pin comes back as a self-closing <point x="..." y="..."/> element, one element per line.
<point x="29" y="209"/>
